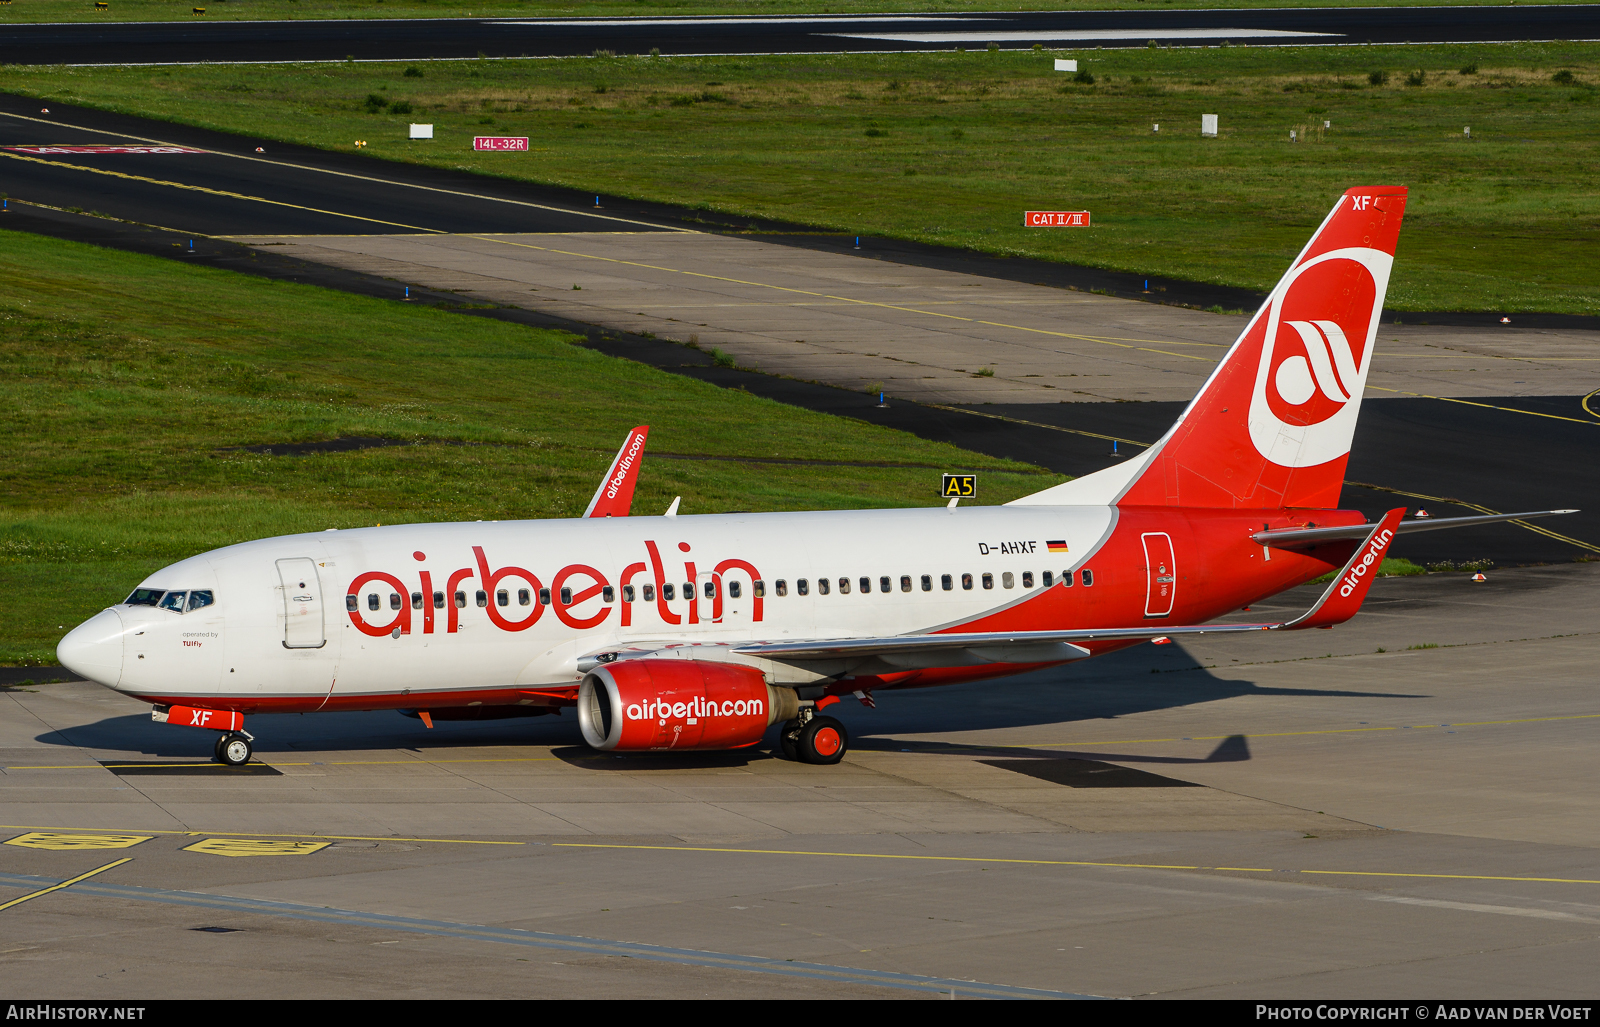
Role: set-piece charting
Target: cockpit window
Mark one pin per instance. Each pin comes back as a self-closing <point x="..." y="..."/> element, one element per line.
<point x="200" y="597"/>
<point x="173" y="601"/>
<point x="145" y="597"/>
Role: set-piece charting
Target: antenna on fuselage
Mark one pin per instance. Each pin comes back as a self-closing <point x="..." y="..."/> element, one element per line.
<point x="672" y="511"/>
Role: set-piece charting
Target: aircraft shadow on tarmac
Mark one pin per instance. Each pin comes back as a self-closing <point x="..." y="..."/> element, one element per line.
<point x="1137" y="680"/>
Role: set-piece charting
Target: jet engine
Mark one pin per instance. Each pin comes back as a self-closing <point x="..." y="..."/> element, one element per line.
<point x="679" y="704"/>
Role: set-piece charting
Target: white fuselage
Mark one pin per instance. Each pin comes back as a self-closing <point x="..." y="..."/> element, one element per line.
<point x="457" y="608"/>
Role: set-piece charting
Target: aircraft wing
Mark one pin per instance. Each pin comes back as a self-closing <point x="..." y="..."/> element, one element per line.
<point x="1000" y="646"/>
<point x="1305" y="538"/>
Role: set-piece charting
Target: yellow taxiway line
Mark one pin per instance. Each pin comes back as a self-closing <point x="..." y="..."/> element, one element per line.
<point x="65" y="884"/>
<point x="1074" y="863"/>
<point x="258" y="834"/>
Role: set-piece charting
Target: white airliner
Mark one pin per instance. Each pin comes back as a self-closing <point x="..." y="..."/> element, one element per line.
<point x="701" y="632"/>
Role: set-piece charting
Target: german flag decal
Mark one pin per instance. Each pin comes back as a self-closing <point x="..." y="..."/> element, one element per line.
<point x="1056" y="545"/>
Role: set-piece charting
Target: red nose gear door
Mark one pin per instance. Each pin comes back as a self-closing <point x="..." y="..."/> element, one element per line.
<point x="1161" y="574"/>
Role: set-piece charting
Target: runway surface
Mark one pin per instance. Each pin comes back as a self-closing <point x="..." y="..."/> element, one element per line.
<point x="1400" y="807"/>
<point x="444" y="39"/>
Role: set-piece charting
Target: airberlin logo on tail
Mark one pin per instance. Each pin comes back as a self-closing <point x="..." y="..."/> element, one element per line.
<point x="1316" y="346"/>
<point x="1359" y="570"/>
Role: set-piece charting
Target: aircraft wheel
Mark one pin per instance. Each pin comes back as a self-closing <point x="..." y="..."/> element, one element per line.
<point x="234" y="750"/>
<point x="823" y="740"/>
<point x="216" y="750"/>
<point x="786" y="739"/>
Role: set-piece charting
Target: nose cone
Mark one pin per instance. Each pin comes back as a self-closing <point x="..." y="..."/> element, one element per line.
<point x="93" y="649"/>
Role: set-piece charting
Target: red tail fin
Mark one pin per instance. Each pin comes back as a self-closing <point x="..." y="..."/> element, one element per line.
<point x="614" y="497"/>
<point x="1272" y="426"/>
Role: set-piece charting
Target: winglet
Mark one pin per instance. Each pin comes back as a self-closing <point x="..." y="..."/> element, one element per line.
<point x="614" y="497"/>
<point x="1349" y="589"/>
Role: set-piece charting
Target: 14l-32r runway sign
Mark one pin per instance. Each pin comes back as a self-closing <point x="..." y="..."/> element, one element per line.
<point x="1057" y="219"/>
<point x="500" y="143"/>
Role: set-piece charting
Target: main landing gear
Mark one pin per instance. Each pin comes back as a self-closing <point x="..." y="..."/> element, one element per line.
<point x="233" y="749"/>
<point x="810" y="738"/>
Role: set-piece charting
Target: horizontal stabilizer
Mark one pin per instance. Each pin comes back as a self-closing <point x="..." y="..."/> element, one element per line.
<point x="1305" y="538"/>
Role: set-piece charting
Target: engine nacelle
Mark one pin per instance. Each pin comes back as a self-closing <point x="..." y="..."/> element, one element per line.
<point x="679" y="704"/>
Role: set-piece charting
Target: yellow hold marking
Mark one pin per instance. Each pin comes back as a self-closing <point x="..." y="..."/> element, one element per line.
<point x="254" y="847"/>
<point x="75" y="842"/>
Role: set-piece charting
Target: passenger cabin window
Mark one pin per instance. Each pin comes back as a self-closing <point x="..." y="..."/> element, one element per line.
<point x="883" y="584"/>
<point x="1007" y="580"/>
<point x="566" y="596"/>
<point x="482" y="598"/>
<point x="461" y="600"/>
<point x="544" y="597"/>
<point x="1088" y="577"/>
<point x="200" y="597"/>
<point x="502" y="597"/>
<point x="711" y="590"/>
<point x="733" y="589"/>
<point x="174" y="601"/>
<point x="1027" y="579"/>
<point x="438" y="600"/>
<point x="627" y="593"/>
<point x="669" y="592"/>
<point x="801" y="587"/>
<point x="758" y="588"/>
<point x="1066" y="578"/>
<point x="688" y="590"/>
<point x="782" y="587"/>
<point x="844" y="586"/>
<point x="649" y="593"/>
<point x="1046" y="579"/>
<point x="866" y="586"/>
<point x="927" y="582"/>
<point x="947" y="583"/>
<point x="145" y="597"/>
<point x="372" y="601"/>
<point x="394" y="600"/>
<point x="988" y="580"/>
<point x="822" y="586"/>
<point x="352" y="603"/>
<point x="416" y="600"/>
<point x="905" y="582"/>
<point x="524" y="597"/>
<point x="608" y="594"/>
<point x="966" y="582"/>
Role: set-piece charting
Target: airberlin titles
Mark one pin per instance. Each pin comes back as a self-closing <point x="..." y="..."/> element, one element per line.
<point x="515" y="598"/>
<point x="572" y="587"/>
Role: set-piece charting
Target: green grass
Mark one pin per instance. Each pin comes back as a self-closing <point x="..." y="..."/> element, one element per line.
<point x="125" y="380"/>
<point x="253" y="10"/>
<point x="952" y="147"/>
<point x="1391" y="567"/>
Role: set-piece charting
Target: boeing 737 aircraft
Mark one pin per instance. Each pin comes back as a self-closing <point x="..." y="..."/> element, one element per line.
<point x="701" y="632"/>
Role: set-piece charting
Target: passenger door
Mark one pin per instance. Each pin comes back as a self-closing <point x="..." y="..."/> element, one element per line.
<point x="303" y="626"/>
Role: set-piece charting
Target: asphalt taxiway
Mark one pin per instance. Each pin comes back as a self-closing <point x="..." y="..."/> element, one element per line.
<point x="1399" y="807"/>
<point x="457" y="38"/>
